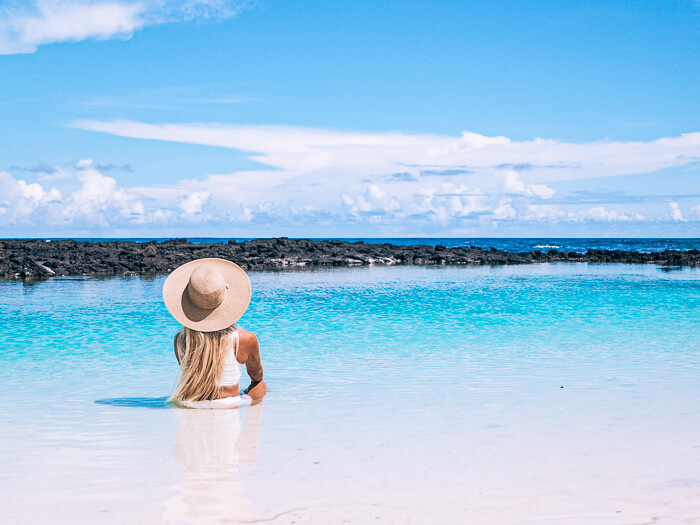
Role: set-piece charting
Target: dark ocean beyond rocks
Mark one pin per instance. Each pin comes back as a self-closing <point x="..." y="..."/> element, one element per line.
<point x="38" y="258"/>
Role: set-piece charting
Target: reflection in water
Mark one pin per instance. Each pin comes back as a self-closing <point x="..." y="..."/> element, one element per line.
<point x="210" y="447"/>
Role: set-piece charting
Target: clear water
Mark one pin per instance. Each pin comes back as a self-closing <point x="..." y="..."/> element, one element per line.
<point x="503" y="243"/>
<point x="532" y="394"/>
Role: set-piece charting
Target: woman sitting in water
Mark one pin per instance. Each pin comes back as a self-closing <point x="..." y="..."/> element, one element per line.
<point x="207" y="297"/>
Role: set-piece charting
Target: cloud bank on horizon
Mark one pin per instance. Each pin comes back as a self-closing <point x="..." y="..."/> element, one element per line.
<point x="395" y="183"/>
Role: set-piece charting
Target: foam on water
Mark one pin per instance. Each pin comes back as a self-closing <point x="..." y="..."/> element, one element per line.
<point x="429" y="394"/>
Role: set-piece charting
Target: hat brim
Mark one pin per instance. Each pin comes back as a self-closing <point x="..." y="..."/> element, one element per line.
<point x="231" y="309"/>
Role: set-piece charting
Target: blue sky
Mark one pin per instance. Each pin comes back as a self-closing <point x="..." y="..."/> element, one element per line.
<point x="315" y="118"/>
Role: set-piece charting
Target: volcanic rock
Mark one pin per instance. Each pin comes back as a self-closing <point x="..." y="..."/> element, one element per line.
<point x="37" y="258"/>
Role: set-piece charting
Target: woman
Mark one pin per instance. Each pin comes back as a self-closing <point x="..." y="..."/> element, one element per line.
<point x="207" y="297"/>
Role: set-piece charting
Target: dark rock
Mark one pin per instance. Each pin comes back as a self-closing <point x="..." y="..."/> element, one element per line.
<point x="37" y="259"/>
<point x="29" y="269"/>
<point x="149" y="251"/>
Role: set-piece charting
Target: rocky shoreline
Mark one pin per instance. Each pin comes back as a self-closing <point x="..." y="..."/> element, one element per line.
<point x="37" y="258"/>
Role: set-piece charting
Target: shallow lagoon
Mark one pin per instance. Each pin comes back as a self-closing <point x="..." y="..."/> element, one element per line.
<point x="397" y="395"/>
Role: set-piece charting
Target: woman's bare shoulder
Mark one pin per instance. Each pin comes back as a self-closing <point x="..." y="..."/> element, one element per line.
<point x="248" y="345"/>
<point x="247" y="337"/>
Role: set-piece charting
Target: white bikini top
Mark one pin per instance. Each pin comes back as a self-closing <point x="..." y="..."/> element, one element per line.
<point x="232" y="368"/>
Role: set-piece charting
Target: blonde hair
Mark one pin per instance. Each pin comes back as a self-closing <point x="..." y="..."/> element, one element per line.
<point x="201" y="356"/>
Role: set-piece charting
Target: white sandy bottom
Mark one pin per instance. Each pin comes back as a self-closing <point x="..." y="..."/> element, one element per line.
<point x="517" y="512"/>
<point x="555" y="462"/>
<point x="432" y="503"/>
<point x="545" y="470"/>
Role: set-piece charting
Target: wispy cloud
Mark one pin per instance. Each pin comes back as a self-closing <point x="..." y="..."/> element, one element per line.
<point x="308" y="150"/>
<point x="26" y="25"/>
<point x="83" y="164"/>
<point x="41" y="168"/>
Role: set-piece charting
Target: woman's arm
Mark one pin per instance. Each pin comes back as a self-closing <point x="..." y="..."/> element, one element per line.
<point x="249" y="353"/>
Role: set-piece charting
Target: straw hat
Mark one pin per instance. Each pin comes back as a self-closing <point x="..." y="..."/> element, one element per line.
<point x="207" y="294"/>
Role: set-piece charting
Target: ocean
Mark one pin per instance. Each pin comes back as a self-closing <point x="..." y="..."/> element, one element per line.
<point x="549" y="393"/>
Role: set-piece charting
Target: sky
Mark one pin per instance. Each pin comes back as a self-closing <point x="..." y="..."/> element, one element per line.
<point x="214" y="118"/>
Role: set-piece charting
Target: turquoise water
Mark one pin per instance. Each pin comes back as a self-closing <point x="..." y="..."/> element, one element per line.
<point x="554" y="386"/>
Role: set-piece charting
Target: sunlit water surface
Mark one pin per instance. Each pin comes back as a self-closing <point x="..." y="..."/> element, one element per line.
<point x="529" y="394"/>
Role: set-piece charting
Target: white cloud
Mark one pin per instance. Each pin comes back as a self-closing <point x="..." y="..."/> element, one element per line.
<point x="25" y="26"/>
<point x="459" y="199"/>
<point x="504" y="210"/>
<point x="515" y="185"/>
<point x="695" y="212"/>
<point x="538" y="212"/>
<point x="446" y="204"/>
<point x="676" y="214"/>
<point x="542" y="191"/>
<point x="547" y="213"/>
<point x="98" y="199"/>
<point x="372" y="201"/>
<point x="599" y="213"/>
<point x="193" y="203"/>
<point x="305" y="151"/>
<point x="19" y="200"/>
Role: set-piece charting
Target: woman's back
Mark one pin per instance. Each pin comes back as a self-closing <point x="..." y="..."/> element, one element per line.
<point x="231" y="373"/>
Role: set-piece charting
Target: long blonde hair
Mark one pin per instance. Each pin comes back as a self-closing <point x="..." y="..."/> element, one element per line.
<point x="201" y="356"/>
